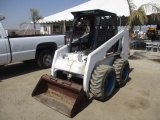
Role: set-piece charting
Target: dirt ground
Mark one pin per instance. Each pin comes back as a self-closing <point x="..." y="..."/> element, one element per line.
<point x="138" y="100"/>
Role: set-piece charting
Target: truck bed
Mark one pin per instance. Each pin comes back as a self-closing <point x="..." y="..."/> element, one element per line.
<point x="18" y="36"/>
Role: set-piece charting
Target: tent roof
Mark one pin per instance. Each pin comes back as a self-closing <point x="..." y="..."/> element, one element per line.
<point x="120" y="7"/>
<point x="93" y="12"/>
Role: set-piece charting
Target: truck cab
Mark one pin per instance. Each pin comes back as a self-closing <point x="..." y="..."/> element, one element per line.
<point x="5" y="56"/>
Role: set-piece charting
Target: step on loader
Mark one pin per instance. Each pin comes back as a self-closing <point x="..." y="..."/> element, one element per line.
<point x="90" y="65"/>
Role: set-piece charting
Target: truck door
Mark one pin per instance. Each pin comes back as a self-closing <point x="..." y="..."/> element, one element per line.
<point x="4" y="50"/>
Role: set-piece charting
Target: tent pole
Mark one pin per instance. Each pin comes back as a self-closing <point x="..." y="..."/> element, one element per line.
<point x="64" y="27"/>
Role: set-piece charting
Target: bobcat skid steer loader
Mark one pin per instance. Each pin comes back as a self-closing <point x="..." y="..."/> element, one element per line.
<point x="90" y="65"/>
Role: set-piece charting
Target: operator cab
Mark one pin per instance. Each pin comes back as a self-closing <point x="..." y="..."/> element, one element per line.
<point x="91" y="29"/>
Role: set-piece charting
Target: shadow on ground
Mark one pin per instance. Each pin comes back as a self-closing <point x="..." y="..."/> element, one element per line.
<point x="155" y="60"/>
<point x="17" y="69"/>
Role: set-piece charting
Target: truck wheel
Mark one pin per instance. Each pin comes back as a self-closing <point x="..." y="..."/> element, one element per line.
<point x="103" y="82"/>
<point x="44" y="59"/>
<point x="122" y="71"/>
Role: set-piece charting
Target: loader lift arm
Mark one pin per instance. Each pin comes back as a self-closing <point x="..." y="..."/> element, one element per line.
<point x="94" y="57"/>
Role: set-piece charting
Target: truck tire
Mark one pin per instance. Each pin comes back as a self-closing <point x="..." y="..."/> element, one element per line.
<point x="44" y="59"/>
<point x="103" y="82"/>
<point x="122" y="71"/>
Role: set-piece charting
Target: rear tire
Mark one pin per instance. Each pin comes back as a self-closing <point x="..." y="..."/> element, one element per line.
<point x="122" y="71"/>
<point x="44" y="59"/>
<point x="103" y="82"/>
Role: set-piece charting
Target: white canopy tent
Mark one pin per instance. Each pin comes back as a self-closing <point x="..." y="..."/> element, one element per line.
<point x="120" y="7"/>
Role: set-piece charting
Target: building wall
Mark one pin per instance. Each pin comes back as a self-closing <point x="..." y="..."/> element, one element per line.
<point x="56" y="28"/>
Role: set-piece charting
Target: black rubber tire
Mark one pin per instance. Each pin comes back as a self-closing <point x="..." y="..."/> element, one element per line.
<point x="45" y="59"/>
<point x="122" y="71"/>
<point x="103" y="82"/>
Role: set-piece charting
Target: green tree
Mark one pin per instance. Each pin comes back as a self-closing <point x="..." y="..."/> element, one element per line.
<point x="139" y="14"/>
<point x="35" y="17"/>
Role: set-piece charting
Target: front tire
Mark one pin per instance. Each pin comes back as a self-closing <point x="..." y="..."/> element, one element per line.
<point x="103" y="82"/>
<point x="44" y="59"/>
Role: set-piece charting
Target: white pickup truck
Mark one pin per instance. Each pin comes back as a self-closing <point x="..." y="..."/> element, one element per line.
<point x="25" y="49"/>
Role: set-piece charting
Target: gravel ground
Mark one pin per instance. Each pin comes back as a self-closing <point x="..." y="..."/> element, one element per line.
<point x="138" y="100"/>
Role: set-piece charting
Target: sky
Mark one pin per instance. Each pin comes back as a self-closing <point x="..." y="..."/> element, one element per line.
<point x="18" y="11"/>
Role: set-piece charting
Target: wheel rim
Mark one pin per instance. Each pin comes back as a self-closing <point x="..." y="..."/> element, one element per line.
<point x="125" y="73"/>
<point x="47" y="60"/>
<point x="110" y="84"/>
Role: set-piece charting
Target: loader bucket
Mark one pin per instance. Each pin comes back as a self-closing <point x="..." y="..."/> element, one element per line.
<point x="63" y="96"/>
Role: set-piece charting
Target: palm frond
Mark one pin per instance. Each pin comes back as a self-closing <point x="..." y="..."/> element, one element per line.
<point x="35" y="15"/>
<point x="137" y="17"/>
<point x="131" y="5"/>
<point x="140" y="14"/>
<point x="152" y="8"/>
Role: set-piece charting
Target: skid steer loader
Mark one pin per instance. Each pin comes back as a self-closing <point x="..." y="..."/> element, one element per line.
<point x="90" y="65"/>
